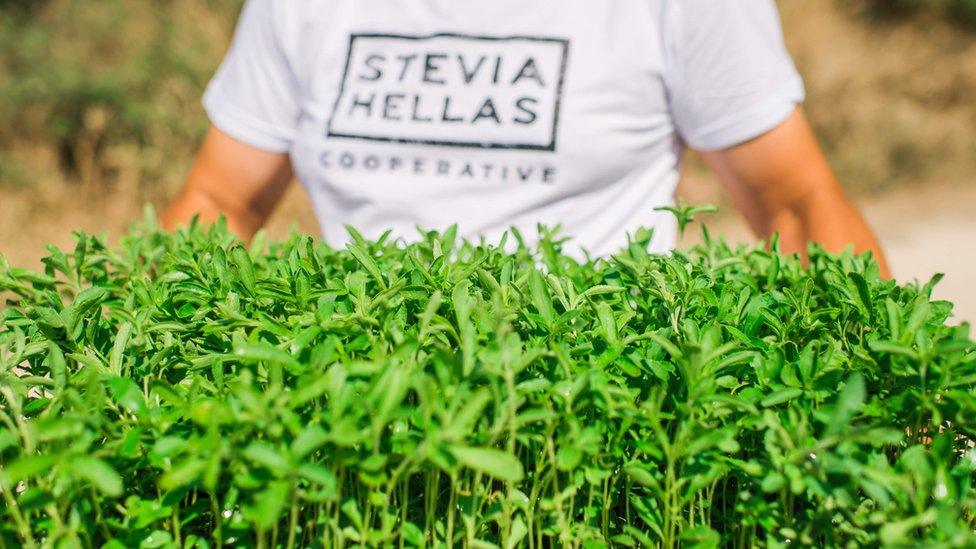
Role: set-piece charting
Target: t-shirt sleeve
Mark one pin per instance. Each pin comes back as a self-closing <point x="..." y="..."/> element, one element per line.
<point x="728" y="73"/>
<point x="253" y="95"/>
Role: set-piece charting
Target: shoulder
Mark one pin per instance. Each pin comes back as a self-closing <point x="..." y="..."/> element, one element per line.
<point x="697" y="13"/>
<point x="296" y="21"/>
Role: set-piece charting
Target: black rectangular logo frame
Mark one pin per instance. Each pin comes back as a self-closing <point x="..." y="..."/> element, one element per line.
<point x="551" y="146"/>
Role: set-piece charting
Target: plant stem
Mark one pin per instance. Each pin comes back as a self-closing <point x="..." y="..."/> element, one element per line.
<point x="22" y="526"/>
<point x="218" y="520"/>
<point x="293" y="519"/>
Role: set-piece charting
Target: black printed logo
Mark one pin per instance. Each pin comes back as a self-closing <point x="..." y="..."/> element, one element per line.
<point x="452" y="90"/>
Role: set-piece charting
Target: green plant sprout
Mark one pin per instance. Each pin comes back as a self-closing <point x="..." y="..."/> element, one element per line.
<point x="685" y="214"/>
<point x="184" y="390"/>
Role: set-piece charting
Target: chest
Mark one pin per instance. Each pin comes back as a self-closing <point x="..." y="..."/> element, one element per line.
<point x="504" y="70"/>
<point x="570" y="82"/>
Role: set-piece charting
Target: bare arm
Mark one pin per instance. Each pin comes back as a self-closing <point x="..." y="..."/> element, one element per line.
<point x="234" y="179"/>
<point x="782" y="183"/>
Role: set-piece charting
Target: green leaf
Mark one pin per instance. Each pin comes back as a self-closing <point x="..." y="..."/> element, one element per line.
<point x="773" y="482"/>
<point x="7" y="439"/>
<point x="490" y="461"/>
<point x="270" y="503"/>
<point x="641" y="476"/>
<point x="85" y="301"/>
<point x="894" y="318"/>
<point x="412" y="534"/>
<point x="848" y="403"/>
<point x="28" y="467"/>
<point x="517" y="532"/>
<point x="156" y="539"/>
<point x="666" y="344"/>
<point x="311" y="438"/>
<point x="568" y="458"/>
<point x="701" y="537"/>
<point x="541" y="298"/>
<point x="319" y="475"/>
<point x="917" y="319"/>
<point x="901" y="532"/>
<point x="183" y="473"/>
<point x="600" y="289"/>
<point x="118" y="348"/>
<point x="781" y="396"/>
<point x="893" y="348"/>
<point x="264" y="454"/>
<point x="311" y="390"/>
<point x="351" y="509"/>
<point x="463" y="423"/>
<point x="607" y="322"/>
<point x="368" y="263"/>
<point x="463" y="308"/>
<point x="263" y="352"/>
<point x="57" y="364"/>
<point x="169" y="446"/>
<point x="99" y="473"/>
<point x="127" y="394"/>
<point x="245" y="268"/>
<point x="860" y="292"/>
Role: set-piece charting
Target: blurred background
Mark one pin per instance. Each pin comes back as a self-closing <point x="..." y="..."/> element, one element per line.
<point x="100" y="113"/>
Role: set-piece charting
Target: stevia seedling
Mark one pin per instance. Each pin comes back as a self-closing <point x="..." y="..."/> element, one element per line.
<point x="184" y="389"/>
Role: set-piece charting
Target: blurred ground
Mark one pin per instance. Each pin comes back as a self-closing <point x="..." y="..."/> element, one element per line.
<point x="83" y="145"/>
<point x="892" y="100"/>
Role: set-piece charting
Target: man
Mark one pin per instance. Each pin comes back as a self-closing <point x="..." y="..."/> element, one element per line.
<point x="397" y="114"/>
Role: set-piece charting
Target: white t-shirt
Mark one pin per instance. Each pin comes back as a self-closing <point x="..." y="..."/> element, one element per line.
<point x="405" y="113"/>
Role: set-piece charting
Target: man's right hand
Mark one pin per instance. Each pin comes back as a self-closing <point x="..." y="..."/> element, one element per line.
<point x="234" y="179"/>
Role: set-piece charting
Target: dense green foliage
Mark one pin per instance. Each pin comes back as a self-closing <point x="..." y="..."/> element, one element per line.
<point x="184" y="390"/>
